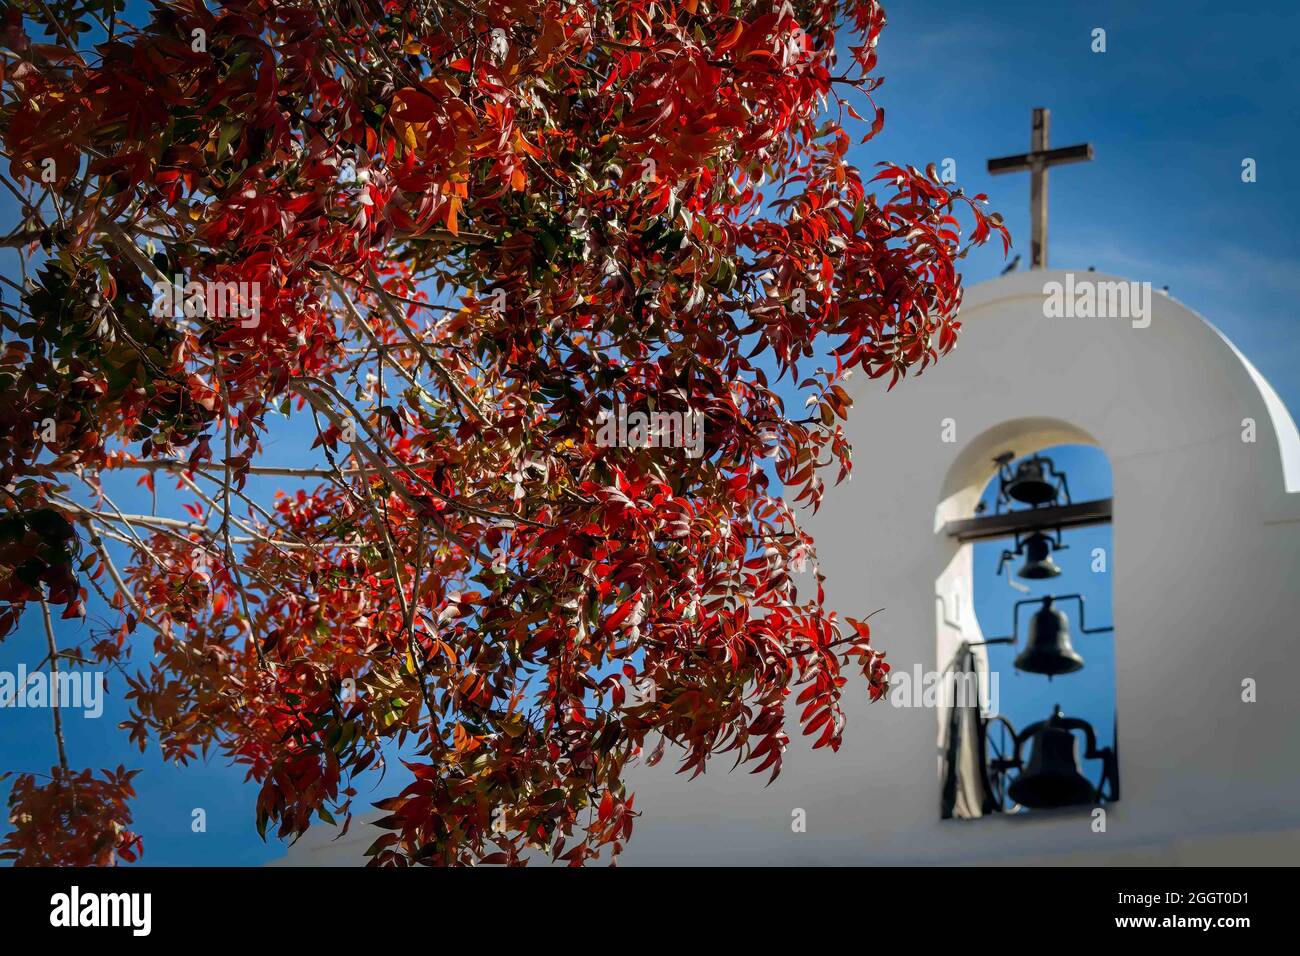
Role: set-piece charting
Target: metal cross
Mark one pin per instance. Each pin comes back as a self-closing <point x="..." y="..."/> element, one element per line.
<point x="1038" y="160"/>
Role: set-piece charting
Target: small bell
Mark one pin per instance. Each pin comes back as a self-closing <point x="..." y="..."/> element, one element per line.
<point x="1048" y="649"/>
<point x="1031" y="484"/>
<point x="1038" y="558"/>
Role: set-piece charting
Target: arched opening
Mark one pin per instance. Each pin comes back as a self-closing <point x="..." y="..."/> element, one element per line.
<point x="1024" y="615"/>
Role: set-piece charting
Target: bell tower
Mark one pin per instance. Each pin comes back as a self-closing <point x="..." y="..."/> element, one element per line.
<point x="1007" y="758"/>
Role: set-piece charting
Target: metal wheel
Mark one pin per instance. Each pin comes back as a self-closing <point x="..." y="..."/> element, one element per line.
<point x="1000" y="758"/>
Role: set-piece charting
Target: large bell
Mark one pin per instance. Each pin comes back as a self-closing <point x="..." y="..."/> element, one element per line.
<point x="1038" y="558"/>
<point x="1052" y="777"/>
<point x="1031" y="484"/>
<point x="1048" y="650"/>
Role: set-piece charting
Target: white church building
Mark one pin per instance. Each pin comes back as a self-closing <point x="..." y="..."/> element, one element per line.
<point x="1205" y="467"/>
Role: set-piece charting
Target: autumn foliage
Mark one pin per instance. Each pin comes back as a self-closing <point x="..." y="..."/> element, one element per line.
<point x="474" y="227"/>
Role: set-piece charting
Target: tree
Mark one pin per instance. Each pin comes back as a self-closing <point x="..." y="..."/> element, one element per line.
<point x="501" y="257"/>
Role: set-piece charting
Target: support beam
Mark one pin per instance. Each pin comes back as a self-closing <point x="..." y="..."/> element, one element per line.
<point x="986" y="527"/>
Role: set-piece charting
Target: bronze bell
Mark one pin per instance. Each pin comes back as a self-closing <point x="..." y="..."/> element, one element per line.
<point x="1031" y="484"/>
<point x="1038" y="558"/>
<point x="1048" y="649"/>
<point x="1052" y="777"/>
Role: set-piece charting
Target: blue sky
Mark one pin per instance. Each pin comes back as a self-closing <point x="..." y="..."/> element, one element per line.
<point x="1185" y="91"/>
